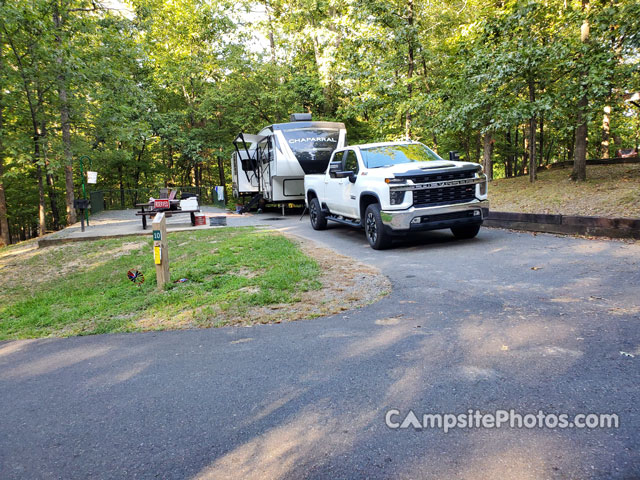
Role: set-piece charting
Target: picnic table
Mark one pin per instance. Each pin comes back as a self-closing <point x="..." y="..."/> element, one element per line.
<point x="168" y="211"/>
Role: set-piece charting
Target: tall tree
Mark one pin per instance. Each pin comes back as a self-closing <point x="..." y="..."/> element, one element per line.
<point x="59" y="21"/>
<point x="4" y="224"/>
<point x="579" y="172"/>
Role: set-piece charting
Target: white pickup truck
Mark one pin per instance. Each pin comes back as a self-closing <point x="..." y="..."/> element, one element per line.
<point x="396" y="188"/>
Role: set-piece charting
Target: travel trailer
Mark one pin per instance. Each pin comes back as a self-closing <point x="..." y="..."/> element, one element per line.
<point x="271" y="165"/>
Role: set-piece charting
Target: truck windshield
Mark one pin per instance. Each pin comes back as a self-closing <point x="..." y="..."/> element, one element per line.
<point x="384" y="156"/>
<point x="312" y="147"/>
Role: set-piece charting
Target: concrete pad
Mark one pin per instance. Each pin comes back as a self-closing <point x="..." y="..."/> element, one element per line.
<point x="121" y="223"/>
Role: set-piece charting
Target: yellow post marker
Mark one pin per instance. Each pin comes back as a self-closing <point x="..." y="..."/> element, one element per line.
<point x="160" y="249"/>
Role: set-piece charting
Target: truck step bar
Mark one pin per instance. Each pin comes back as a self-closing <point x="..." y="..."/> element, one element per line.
<point x="345" y="221"/>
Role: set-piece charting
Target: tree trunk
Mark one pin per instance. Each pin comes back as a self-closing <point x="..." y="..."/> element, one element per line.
<point x="487" y="153"/>
<point x="532" y="135"/>
<point x="64" y="119"/>
<point x="136" y="182"/>
<point x="51" y="191"/>
<point x="606" y="130"/>
<point x="410" y="68"/>
<point x="571" y="145"/>
<point x="33" y="111"/>
<point x="516" y="151"/>
<point x="120" y="178"/>
<point x="508" y="168"/>
<point x="4" y="224"/>
<point x="541" y="152"/>
<point x="467" y="146"/>
<point x="579" y="172"/>
<point x="272" y="42"/>
<point x="42" y="219"/>
<point x="525" y="148"/>
<point x="171" y="179"/>
<point x="53" y="201"/>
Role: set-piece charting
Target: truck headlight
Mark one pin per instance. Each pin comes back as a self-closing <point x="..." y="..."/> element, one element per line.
<point x="483" y="186"/>
<point x="396" y="197"/>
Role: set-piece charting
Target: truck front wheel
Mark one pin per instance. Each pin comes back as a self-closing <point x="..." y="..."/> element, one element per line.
<point x="468" y="231"/>
<point x="316" y="215"/>
<point x="374" y="229"/>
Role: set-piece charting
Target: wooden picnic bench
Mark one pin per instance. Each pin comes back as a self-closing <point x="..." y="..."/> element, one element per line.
<point x="168" y="212"/>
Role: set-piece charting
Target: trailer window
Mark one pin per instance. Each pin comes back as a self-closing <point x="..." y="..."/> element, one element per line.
<point x="312" y="147"/>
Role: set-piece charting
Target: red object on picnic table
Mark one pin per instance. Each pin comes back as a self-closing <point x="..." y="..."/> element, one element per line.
<point x="161" y="203"/>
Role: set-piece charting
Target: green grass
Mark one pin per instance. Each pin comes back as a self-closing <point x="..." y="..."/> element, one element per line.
<point x="82" y="288"/>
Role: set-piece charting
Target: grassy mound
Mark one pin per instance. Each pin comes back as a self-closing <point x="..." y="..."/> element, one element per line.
<point x="610" y="191"/>
<point x="82" y="288"/>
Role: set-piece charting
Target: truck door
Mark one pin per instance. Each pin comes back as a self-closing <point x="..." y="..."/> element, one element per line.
<point x="350" y="191"/>
<point x="333" y="188"/>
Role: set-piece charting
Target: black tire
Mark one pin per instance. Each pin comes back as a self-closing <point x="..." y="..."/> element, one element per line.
<point x="468" y="231"/>
<point x="316" y="215"/>
<point x="378" y="238"/>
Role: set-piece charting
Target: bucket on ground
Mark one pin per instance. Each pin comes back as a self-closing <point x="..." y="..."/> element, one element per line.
<point x="201" y="220"/>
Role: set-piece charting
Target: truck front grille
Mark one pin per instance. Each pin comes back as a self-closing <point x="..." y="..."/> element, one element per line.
<point x="444" y="195"/>
<point x="438" y="177"/>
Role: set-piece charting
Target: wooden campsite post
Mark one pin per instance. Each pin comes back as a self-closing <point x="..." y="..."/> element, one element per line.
<point x="160" y="249"/>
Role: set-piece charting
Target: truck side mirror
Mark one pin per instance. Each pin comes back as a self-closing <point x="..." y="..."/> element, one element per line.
<point x="334" y="167"/>
<point x="345" y="174"/>
<point x="353" y="177"/>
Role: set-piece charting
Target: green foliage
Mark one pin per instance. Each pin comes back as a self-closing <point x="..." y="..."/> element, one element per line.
<point x="157" y="95"/>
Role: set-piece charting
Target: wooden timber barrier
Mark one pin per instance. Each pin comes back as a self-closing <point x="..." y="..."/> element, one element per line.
<point x="595" y="161"/>
<point x="566" y="224"/>
<point x="570" y="224"/>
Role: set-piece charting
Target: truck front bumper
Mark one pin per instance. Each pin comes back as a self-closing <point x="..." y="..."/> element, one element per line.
<point x="435" y="218"/>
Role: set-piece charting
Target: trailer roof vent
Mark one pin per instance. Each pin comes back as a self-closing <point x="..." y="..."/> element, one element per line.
<point x="300" y="117"/>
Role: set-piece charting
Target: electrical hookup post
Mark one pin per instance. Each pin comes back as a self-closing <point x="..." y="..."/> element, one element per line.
<point x="160" y="249"/>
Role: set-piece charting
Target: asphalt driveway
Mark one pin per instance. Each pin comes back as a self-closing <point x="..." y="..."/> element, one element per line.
<point x="504" y="321"/>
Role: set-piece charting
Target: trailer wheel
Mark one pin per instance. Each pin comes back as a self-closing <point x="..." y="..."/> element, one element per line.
<point x="316" y="215"/>
<point x="374" y="228"/>
<point x="468" y="231"/>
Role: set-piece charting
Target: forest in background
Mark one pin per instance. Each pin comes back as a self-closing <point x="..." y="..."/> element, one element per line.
<point x="154" y="91"/>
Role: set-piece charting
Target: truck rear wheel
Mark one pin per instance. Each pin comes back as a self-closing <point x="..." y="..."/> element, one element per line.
<point x="316" y="215"/>
<point x="468" y="231"/>
<point x="374" y="228"/>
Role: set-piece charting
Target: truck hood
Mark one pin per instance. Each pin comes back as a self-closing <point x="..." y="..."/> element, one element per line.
<point x="417" y="168"/>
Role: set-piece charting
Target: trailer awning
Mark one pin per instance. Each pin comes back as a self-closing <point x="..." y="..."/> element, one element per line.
<point x="248" y="138"/>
